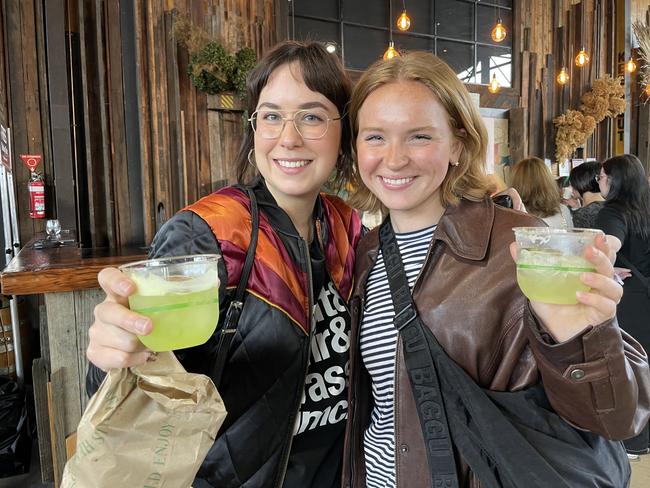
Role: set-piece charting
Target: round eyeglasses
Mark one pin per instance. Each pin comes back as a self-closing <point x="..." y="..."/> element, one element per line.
<point x="310" y="124"/>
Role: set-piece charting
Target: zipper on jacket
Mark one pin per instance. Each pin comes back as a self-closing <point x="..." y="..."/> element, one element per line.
<point x="327" y="271"/>
<point x="310" y="307"/>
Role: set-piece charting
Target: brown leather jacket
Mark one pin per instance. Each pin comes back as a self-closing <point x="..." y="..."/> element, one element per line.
<point x="468" y="296"/>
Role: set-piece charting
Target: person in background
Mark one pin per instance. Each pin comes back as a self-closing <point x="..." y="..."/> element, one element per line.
<point x="625" y="216"/>
<point x="539" y="192"/>
<point x="584" y="181"/>
<point x="420" y="145"/>
<point x="567" y="196"/>
<point x="285" y="380"/>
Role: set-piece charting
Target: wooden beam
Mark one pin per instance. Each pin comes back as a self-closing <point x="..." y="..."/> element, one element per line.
<point x="57" y="75"/>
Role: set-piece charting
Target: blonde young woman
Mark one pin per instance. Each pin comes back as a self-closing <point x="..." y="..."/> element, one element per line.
<point x="420" y="147"/>
<point x="534" y="182"/>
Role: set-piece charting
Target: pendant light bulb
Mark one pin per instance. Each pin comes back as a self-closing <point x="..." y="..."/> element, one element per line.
<point x="403" y="21"/>
<point x="499" y="31"/>
<point x="563" y="76"/>
<point x="582" y="58"/>
<point x="391" y="52"/>
<point x="630" y="66"/>
<point x="494" y="85"/>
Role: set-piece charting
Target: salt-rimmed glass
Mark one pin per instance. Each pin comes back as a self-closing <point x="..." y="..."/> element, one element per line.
<point x="550" y="262"/>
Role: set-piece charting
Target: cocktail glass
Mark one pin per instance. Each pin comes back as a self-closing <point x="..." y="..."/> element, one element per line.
<point x="550" y="261"/>
<point x="181" y="297"/>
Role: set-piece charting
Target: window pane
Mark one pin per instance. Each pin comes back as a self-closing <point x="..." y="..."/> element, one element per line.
<point x="317" y="8"/>
<point x="363" y="46"/>
<point x="498" y="61"/>
<point x="316" y="30"/>
<point x="420" y="12"/>
<point x="368" y="13"/>
<point x="404" y="42"/>
<point x="460" y="57"/>
<point x="487" y="19"/>
<point x="455" y="19"/>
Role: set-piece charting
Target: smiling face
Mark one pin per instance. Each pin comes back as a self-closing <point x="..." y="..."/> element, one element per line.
<point x="295" y="168"/>
<point x="404" y="149"/>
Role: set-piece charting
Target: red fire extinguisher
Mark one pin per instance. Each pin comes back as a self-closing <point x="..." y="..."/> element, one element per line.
<point x="36" y="187"/>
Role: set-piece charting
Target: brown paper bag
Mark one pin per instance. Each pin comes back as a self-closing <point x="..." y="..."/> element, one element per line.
<point x="146" y="427"/>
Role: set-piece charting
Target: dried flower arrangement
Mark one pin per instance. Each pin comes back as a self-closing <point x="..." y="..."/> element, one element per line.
<point x="605" y="99"/>
<point x="642" y="33"/>
<point x="211" y="68"/>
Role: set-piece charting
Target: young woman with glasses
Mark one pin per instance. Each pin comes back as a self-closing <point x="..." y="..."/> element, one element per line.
<point x="285" y="381"/>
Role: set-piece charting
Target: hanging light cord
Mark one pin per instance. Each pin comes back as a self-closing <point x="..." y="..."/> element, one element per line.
<point x="390" y="20"/>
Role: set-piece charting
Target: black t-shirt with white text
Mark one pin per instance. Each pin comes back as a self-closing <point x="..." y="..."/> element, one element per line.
<point x="317" y="448"/>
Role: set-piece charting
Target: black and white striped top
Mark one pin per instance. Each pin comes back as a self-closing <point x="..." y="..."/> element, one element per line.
<point x="378" y="342"/>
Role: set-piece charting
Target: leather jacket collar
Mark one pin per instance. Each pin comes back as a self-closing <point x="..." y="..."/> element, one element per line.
<point x="465" y="228"/>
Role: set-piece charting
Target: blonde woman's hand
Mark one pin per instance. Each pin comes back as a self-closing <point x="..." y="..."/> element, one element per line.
<point x="112" y="336"/>
<point x="593" y="307"/>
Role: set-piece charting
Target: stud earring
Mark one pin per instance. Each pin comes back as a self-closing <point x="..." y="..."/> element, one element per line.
<point x="454" y="163"/>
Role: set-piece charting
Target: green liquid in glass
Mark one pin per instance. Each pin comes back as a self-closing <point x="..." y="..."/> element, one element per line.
<point x="180" y="320"/>
<point x="549" y="277"/>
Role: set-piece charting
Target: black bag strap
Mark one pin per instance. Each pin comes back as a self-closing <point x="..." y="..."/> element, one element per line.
<point x="229" y="326"/>
<point x="422" y="372"/>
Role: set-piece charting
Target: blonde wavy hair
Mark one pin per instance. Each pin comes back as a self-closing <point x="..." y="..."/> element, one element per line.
<point x="468" y="179"/>
<point x="534" y="182"/>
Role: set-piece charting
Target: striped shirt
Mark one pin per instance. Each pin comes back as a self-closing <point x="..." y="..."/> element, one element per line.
<point x="378" y="346"/>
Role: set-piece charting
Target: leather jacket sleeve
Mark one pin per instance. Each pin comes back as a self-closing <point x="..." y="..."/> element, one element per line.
<point x="185" y="233"/>
<point x="598" y="380"/>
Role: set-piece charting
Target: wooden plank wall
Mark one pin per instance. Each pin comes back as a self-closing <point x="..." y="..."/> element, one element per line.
<point x="178" y="148"/>
<point x="550" y="36"/>
<point x="23" y="52"/>
<point x="641" y="109"/>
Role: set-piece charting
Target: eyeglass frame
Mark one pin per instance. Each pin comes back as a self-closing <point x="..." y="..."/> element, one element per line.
<point x="293" y="120"/>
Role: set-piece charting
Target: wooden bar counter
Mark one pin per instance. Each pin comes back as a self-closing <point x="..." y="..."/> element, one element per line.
<point x="67" y="278"/>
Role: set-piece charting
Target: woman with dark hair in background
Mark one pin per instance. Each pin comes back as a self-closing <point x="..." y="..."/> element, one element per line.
<point x="584" y="182"/>
<point x="539" y="192"/>
<point x="625" y="216"/>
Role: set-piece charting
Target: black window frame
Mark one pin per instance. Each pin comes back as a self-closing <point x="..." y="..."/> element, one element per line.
<point x="341" y="23"/>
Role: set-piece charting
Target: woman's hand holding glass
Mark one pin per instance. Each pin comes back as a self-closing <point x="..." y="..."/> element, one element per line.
<point x="113" y="341"/>
<point x="594" y="306"/>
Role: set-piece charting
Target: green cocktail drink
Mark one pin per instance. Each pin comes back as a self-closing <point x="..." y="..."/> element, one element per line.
<point x="550" y="262"/>
<point x="550" y="277"/>
<point x="181" y="297"/>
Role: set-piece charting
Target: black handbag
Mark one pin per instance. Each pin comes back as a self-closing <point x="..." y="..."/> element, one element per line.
<point x="229" y="325"/>
<point x="508" y="439"/>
